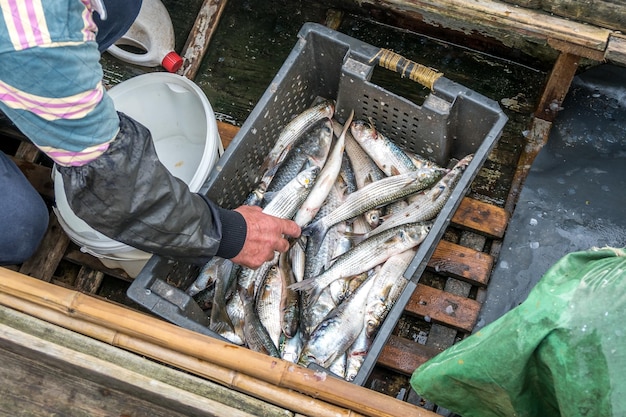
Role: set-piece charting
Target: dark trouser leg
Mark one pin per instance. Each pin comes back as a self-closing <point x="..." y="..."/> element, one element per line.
<point x="23" y="215"/>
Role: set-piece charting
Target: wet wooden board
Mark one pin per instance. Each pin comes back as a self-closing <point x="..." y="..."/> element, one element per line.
<point x="50" y="252"/>
<point x="443" y="307"/>
<point x="515" y="26"/>
<point x="404" y="355"/>
<point x="64" y="373"/>
<point x="38" y="175"/>
<point x="465" y="263"/>
<point x="616" y="51"/>
<point x="481" y="217"/>
<point x="198" y="40"/>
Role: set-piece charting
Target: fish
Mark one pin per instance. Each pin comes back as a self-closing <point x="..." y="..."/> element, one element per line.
<point x="447" y="183"/>
<point x="297" y="258"/>
<point x="427" y="204"/>
<point x="268" y="303"/>
<point x="388" y="284"/>
<point x="256" y="335"/>
<point x="234" y="310"/>
<point x="324" y="182"/>
<point x="376" y="194"/>
<point x="373" y="217"/>
<point x="342" y="288"/>
<point x="387" y="155"/>
<point x="332" y="337"/>
<point x="289" y="199"/>
<point x="367" y="254"/>
<point x="291" y="347"/>
<point x="294" y="129"/>
<point x="318" y="255"/>
<point x="288" y="137"/>
<point x="338" y="367"/>
<point x="254" y="277"/>
<point x="220" y="321"/>
<point x="356" y="353"/>
<point x="311" y="150"/>
<point x="290" y="299"/>
<point x="365" y="169"/>
<point x="208" y="274"/>
<point x="314" y="312"/>
<point x="204" y="298"/>
<point x="419" y="161"/>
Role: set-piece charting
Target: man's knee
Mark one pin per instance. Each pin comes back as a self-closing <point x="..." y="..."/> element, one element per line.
<point x="24" y="215"/>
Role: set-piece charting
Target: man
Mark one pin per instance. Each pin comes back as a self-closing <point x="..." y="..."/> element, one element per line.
<point x="51" y="89"/>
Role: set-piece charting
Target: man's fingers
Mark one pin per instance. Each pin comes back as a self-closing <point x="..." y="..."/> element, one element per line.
<point x="282" y="245"/>
<point x="291" y="229"/>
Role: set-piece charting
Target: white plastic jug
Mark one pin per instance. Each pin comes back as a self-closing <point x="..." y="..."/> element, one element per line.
<point x="152" y="32"/>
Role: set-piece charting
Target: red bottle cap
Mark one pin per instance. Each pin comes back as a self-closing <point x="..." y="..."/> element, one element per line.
<point x="172" y="61"/>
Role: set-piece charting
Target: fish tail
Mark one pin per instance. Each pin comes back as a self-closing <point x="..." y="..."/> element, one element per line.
<point x="304" y="285"/>
<point x="316" y="232"/>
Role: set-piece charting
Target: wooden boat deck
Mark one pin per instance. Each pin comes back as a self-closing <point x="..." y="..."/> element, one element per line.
<point x="458" y="272"/>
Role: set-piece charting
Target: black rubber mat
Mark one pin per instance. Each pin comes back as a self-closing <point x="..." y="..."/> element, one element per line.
<point x="574" y="197"/>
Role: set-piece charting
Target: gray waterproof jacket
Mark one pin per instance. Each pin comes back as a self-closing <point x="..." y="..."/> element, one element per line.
<point x="128" y="195"/>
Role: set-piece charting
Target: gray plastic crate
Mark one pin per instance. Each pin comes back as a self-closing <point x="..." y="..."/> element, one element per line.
<point x="451" y="123"/>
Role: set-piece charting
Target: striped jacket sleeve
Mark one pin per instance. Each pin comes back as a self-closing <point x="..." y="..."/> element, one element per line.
<point x="51" y="78"/>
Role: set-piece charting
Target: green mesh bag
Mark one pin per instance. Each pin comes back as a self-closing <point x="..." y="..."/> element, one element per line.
<point x="562" y="352"/>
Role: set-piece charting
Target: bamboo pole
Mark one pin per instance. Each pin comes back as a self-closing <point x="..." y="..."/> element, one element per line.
<point x="230" y="378"/>
<point x="241" y="368"/>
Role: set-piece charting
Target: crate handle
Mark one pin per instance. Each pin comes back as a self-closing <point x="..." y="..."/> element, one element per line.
<point x="406" y="68"/>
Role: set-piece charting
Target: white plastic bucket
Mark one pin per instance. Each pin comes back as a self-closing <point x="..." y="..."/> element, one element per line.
<point x="186" y="139"/>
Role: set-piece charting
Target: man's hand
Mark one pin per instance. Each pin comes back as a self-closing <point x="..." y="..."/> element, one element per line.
<point x="266" y="234"/>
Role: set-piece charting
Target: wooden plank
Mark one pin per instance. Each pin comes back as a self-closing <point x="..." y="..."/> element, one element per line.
<point x="616" y="51"/>
<point x="73" y="254"/>
<point x="46" y="379"/>
<point x="200" y="36"/>
<point x="557" y="86"/>
<point x="604" y="13"/>
<point x="136" y="363"/>
<point x="481" y="217"/>
<point x="536" y="139"/>
<point x="88" y="280"/>
<point x="50" y="252"/>
<point x="460" y="262"/>
<point x="577" y="50"/>
<point x="38" y="175"/>
<point x="238" y="367"/>
<point x="227" y="132"/>
<point x="404" y="356"/>
<point x="498" y="20"/>
<point x="27" y="151"/>
<point x="443" y="307"/>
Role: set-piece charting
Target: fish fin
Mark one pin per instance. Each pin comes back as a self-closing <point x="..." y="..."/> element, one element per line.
<point x="438" y="191"/>
<point x="220" y="327"/>
<point x="304" y="285"/>
<point x="268" y="197"/>
<point x="316" y="232"/>
<point x="394" y="171"/>
<point x="246" y="294"/>
<point x="355" y="238"/>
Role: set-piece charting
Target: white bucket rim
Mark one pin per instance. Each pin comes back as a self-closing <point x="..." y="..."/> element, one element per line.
<point x="212" y="150"/>
<point x="102" y="246"/>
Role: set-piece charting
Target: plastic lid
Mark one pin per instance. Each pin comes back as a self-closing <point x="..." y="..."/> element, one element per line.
<point x="172" y="61"/>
